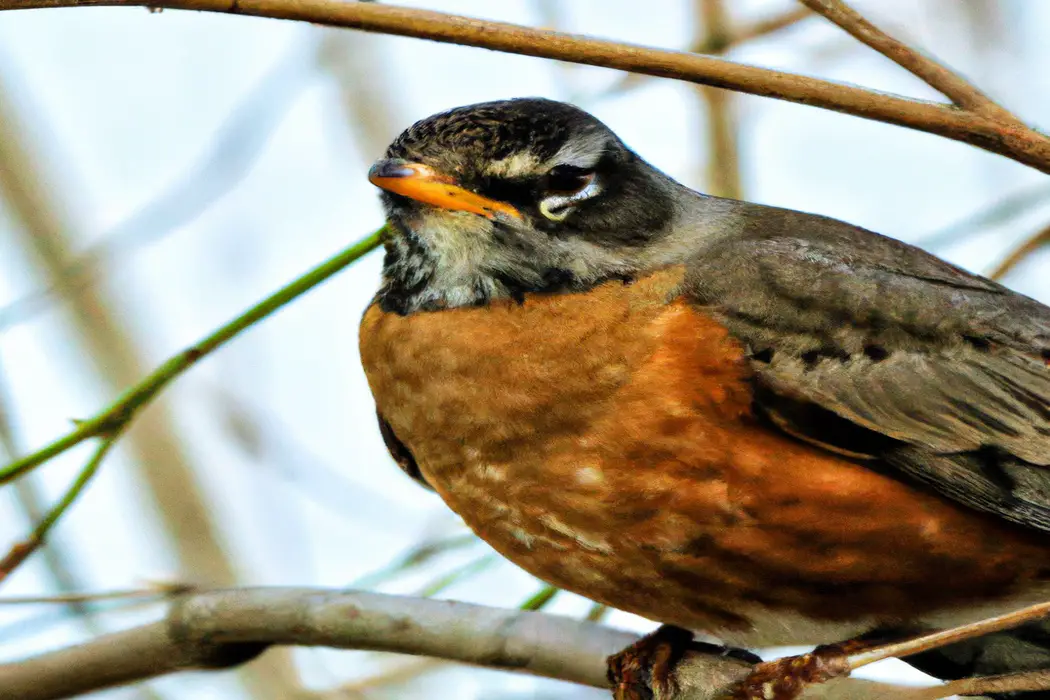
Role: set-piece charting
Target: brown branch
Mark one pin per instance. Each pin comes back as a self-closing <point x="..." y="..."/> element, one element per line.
<point x="723" y="154"/>
<point x="987" y="129"/>
<point x="736" y="36"/>
<point x="1015" y="257"/>
<point x="1009" y="683"/>
<point x="222" y="629"/>
<point x="938" y="76"/>
<point x="767" y="25"/>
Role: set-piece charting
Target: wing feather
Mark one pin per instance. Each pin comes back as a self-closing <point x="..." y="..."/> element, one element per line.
<point x="938" y="373"/>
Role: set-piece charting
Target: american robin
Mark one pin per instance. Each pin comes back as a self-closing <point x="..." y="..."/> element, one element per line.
<point x="768" y="425"/>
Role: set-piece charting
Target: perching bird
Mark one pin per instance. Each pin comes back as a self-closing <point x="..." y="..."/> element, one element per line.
<point x="768" y="425"/>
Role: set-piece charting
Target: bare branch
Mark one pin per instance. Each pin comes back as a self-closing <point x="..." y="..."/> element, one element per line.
<point x="1008" y="683"/>
<point x="221" y="629"/>
<point x="1015" y="257"/>
<point x="21" y="550"/>
<point x="930" y="71"/>
<point x="737" y="36"/>
<point x="767" y="25"/>
<point x="993" y="130"/>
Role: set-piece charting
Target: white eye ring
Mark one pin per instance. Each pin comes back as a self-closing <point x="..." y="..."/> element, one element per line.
<point x="557" y="207"/>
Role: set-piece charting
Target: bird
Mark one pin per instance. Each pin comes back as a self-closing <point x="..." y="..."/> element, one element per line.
<point x="767" y="425"/>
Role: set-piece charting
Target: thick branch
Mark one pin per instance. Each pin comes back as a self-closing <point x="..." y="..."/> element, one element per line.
<point x="221" y="629"/>
<point x="1008" y="138"/>
<point x="218" y="629"/>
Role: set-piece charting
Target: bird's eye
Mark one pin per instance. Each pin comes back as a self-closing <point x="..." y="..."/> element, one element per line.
<point x="567" y="179"/>
<point x="564" y="187"/>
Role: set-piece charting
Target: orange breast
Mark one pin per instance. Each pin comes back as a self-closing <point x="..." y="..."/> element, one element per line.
<point x="604" y="442"/>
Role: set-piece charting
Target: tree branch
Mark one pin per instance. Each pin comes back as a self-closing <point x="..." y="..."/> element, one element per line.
<point x="936" y="75"/>
<point x="1018" y="255"/>
<point x="987" y="128"/>
<point x="124" y="409"/>
<point x="735" y="37"/>
<point x="222" y="629"/>
<point x="765" y="26"/>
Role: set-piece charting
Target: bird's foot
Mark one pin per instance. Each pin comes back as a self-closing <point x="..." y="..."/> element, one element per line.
<point x="786" y="678"/>
<point x="645" y="670"/>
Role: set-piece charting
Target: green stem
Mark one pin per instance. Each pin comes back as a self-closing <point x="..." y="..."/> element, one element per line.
<point x="540" y="598"/>
<point x="120" y="412"/>
<point x="85" y="475"/>
<point x="418" y="556"/>
<point x="597" y="612"/>
<point x="458" y="574"/>
<point x="21" y="550"/>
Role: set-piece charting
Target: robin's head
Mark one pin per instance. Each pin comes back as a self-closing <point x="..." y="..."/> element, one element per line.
<point x="500" y="199"/>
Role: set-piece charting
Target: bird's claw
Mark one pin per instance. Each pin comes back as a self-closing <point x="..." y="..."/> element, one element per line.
<point x="786" y="678"/>
<point x="646" y="669"/>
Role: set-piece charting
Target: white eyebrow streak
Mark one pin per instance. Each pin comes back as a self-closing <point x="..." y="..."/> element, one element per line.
<point x="582" y="152"/>
<point x="517" y="165"/>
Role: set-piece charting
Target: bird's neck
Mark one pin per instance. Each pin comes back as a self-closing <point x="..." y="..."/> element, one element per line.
<point x="417" y="279"/>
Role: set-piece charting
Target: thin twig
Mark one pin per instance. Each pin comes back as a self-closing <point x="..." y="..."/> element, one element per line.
<point x="988" y="129"/>
<point x="416" y="557"/>
<point x="458" y="574"/>
<point x="935" y="74"/>
<point x="740" y="35"/>
<point x="598" y="612"/>
<point x="540" y="599"/>
<point x="997" y="685"/>
<point x="16" y="631"/>
<point x="20" y="551"/>
<point x="123" y="410"/>
<point x="1018" y="254"/>
<point x="159" y="591"/>
<point x="765" y="26"/>
<point x="940" y="638"/>
<point x="31" y="499"/>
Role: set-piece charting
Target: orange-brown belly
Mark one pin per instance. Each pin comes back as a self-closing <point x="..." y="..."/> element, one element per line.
<point x="604" y="442"/>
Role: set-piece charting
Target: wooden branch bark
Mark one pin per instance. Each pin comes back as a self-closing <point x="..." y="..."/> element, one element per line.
<point x="222" y="629"/>
<point x="994" y="130"/>
<point x="936" y="75"/>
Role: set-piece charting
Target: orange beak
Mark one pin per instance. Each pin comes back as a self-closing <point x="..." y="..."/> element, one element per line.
<point x="424" y="184"/>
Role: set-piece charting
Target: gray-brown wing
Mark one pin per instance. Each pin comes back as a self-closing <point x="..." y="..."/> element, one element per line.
<point x="876" y="349"/>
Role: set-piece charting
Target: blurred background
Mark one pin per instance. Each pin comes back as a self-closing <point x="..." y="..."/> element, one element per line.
<point x="159" y="172"/>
